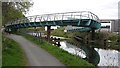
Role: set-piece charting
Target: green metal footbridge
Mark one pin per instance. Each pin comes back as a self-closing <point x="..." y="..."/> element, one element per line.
<point x="85" y="19"/>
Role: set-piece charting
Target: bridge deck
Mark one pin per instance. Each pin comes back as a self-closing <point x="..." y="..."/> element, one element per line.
<point x="80" y="19"/>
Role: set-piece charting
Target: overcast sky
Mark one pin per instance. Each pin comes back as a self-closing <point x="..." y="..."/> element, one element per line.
<point x="104" y="9"/>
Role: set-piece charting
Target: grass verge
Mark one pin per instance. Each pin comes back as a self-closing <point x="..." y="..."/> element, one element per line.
<point x="63" y="56"/>
<point x="12" y="54"/>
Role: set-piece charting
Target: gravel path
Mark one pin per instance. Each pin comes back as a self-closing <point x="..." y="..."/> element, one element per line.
<point x="36" y="55"/>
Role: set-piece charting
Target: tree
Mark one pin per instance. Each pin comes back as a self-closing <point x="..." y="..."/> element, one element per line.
<point x="14" y="10"/>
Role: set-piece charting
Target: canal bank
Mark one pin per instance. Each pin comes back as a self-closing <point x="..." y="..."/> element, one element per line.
<point x="108" y="57"/>
<point x="66" y="58"/>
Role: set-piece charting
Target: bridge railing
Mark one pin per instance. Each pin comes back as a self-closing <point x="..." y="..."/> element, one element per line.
<point x="57" y="16"/>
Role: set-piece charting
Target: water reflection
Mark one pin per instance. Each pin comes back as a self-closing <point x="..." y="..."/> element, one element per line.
<point x="107" y="57"/>
<point x="72" y="49"/>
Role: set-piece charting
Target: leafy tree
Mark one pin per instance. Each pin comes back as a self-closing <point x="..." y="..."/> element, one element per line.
<point x="14" y="10"/>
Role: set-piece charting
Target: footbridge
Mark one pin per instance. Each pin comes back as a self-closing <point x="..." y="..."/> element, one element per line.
<point x="80" y="19"/>
<point x="85" y="19"/>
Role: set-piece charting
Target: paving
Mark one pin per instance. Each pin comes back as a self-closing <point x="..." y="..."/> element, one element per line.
<point x="36" y="56"/>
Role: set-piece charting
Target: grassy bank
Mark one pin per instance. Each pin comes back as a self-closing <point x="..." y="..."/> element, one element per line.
<point x="63" y="56"/>
<point x="12" y="54"/>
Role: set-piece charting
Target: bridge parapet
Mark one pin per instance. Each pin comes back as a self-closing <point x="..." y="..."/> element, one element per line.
<point x="57" y="16"/>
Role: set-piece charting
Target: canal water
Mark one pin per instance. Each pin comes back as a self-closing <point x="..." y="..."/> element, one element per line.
<point x="107" y="57"/>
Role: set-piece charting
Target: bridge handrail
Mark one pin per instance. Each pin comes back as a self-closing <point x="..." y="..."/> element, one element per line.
<point x="57" y="16"/>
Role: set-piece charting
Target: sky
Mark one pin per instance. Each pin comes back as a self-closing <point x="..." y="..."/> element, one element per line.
<point x="104" y="9"/>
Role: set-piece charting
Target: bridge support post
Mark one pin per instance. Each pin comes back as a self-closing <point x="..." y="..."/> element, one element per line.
<point x="48" y="33"/>
<point x="92" y="37"/>
<point x="92" y="51"/>
<point x="93" y="34"/>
